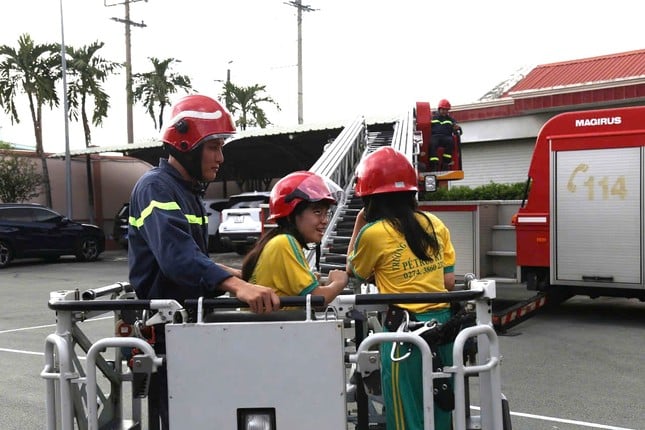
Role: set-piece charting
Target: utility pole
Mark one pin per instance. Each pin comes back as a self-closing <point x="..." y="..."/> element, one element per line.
<point x="225" y="92"/>
<point x="298" y="5"/>
<point x="128" y="62"/>
<point x="228" y="101"/>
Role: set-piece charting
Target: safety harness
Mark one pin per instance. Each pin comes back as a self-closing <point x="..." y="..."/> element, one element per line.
<point x="435" y="334"/>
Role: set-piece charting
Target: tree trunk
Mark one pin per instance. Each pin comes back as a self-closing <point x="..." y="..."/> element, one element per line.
<point x="48" y="191"/>
<point x="38" y="131"/>
<point x="88" y="161"/>
<point x="90" y="187"/>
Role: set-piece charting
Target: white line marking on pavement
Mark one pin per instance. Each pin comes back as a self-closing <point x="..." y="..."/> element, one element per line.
<point x="565" y="421"/>
<point x="19" y="351"/>
<point x="45" y="326"/>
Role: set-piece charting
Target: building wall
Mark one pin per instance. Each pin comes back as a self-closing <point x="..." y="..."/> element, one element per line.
<point x="113" y="179"/>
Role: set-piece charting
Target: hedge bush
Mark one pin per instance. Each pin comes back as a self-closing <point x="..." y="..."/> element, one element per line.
<point x="491" y="191"/>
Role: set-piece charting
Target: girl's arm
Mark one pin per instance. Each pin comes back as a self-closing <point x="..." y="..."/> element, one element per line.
<point x="358" y="225"/>
<point x="337" y="282"/>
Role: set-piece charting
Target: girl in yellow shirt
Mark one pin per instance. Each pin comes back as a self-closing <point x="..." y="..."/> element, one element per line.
<point x="405" y="251"/>
<point x="299" y="204"/>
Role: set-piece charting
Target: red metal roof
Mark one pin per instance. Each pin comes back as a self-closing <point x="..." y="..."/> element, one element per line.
<point x="616" y="79"/>
<point x="585" y="71"/>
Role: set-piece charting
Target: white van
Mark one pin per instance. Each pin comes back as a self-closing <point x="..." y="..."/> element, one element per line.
<point x="241" y="223"/>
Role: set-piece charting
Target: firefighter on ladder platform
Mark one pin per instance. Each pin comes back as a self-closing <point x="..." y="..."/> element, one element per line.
<point x="443" y="129"/>
<point x="167" y="253"/>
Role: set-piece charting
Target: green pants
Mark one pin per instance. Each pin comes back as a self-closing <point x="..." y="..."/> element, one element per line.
<point x="402" y="384"/>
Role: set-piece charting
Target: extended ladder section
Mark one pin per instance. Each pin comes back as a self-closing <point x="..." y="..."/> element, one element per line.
<point x="405" y="139"/>
<point x="339" y="231"/>
<point x="339" y="162"/>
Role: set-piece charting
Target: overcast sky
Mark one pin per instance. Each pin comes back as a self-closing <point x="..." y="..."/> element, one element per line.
<point x="360" y="57"/>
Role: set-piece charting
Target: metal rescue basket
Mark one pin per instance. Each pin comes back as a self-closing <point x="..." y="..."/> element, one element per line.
<point x="231" y="369"/>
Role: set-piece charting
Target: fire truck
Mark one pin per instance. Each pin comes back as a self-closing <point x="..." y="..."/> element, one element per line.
<point x="579" y="229"/>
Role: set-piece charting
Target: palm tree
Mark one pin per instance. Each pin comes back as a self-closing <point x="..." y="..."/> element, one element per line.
<point x="154" y="88"/>
<point x="246" y="100"/>
<point x="87" y="72"/>
<point x="32" y="69"/>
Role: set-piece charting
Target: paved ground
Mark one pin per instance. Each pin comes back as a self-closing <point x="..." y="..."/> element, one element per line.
<point x="574" y="367"/>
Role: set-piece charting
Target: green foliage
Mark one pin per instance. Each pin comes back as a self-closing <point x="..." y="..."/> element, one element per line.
<point x="490" y="191"/>
<point x="154" y="88"/>
<point x="19" y="179"/>
<point x="87" y="71"/>
<point x="32" y="69"/>
<point x="244" y="103"/>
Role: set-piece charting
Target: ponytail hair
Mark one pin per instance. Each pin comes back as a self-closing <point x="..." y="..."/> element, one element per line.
<point x="400" y="209"/>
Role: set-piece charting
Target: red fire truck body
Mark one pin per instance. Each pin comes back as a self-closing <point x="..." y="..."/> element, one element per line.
<point x="581" y="228"/>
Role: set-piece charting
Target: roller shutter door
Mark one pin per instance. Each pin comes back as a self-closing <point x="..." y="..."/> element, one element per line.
<point x="499" y="162"/>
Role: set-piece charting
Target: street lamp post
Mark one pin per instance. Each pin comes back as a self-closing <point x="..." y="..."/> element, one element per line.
<point x="68" y="161"/>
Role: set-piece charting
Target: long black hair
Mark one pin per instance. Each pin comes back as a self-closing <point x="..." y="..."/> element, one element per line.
<point x="286" y="225"/>
<point x="399" y="210"/>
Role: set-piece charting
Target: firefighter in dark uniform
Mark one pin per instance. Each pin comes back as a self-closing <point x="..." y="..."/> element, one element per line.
<point x="442" y="130"/>
<point x="168" y="231"/>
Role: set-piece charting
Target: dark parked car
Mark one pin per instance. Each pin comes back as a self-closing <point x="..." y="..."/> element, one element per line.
<point x="31" y="230"/>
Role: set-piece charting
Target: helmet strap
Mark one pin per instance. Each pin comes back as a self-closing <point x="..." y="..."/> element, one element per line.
<point x="191" y="161"/>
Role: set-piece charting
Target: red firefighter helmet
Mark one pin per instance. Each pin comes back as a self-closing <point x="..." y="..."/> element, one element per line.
<point x="444" y="104"/>
<point x="297" y="187"/>
<point x="385" y="170"/>
<point x="195" y="119"/>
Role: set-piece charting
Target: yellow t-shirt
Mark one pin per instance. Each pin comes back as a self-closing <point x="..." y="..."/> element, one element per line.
<point x="382" y="251"/>
<point x="282" y="266"/>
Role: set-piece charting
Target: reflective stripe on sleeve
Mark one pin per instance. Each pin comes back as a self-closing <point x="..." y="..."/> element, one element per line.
<point x="194" y="219"/>
<point x="167" y="206"/>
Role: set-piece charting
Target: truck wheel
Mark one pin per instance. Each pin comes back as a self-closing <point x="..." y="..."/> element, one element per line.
<point x="6" y="254"/>
<point x="88" y="249"/>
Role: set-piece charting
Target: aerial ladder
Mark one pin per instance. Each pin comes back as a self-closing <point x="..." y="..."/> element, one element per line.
<point x="265" y="364"/>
